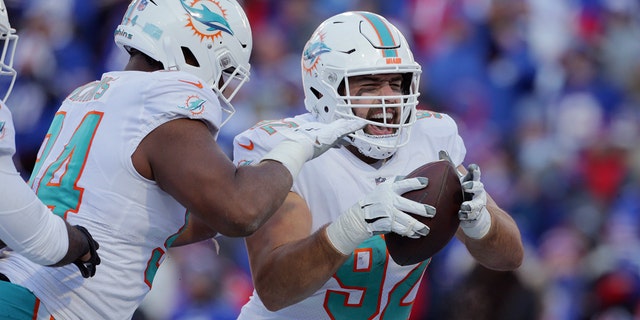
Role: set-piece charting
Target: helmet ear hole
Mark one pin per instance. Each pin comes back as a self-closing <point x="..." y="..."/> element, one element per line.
<point x="326" y="109"/>
<point x="316" y="93"/>
<point x="189" y="57"/>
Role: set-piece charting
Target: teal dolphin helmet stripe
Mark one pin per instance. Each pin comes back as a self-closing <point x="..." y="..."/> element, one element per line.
<point x="384" y="34"/>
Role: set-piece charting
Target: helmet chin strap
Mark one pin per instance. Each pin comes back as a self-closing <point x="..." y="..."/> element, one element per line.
<point x="373" y="151"/>
<point x="366" y="158"/>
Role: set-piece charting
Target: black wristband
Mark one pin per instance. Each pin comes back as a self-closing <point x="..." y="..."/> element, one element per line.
<point x="88" y="268"/>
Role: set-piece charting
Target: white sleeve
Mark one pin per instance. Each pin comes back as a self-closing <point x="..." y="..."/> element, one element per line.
<point x="7" y="132"/>
<point x="26" y="224"/>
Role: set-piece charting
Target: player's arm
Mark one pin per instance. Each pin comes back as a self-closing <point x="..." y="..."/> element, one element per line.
<point x="30" y="228"/>
<point x="183" y="157"/>
<point x="492" y="237"/>
<point x="196" y="230"/>
<point x="288" y="263"/>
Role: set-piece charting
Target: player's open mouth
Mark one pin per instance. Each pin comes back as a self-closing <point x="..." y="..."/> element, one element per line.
<point x="380" y="117"/>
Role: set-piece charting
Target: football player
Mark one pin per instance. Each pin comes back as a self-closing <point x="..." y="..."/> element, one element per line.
<point x="322" y="255"/>
<point x="27" y="226"/>
<point x="133" y="158"/>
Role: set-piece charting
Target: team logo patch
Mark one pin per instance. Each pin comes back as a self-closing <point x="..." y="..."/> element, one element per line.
<point x="244" y="163"/>
<point x="2" y="126"/>
<point x="380" y="180"/>
<point x="206" y="18"/>
<point x="312" y="52"/>
<point x="194" y="104"/>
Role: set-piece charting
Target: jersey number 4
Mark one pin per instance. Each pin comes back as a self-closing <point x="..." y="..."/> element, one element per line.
<point x="57" y="185"/>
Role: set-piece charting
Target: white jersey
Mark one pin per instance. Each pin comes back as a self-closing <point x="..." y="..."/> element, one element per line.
<point x="7" y="132"/>
<point x="84" y="173"/>
<point x="369" y="285"/>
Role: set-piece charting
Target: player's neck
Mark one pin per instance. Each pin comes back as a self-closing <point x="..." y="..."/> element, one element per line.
<point x="138" y="62"/>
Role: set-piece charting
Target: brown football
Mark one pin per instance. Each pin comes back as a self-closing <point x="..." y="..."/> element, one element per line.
<point x="444" y="192"/>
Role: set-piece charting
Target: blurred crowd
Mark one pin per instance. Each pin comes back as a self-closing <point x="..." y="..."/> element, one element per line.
<point x="547" y="96"/>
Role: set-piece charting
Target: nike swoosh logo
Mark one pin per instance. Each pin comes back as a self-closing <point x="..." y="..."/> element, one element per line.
<point x="247" y="146"/>
<point x="197" y="84"/>
<point x="372" y="220"/>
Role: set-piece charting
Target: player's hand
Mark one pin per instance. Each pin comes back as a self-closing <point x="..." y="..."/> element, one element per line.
<point x="87" y="265"/>
<point x="309" y="141"/>
<point x="322" y="136"/>
<point x="383" y="210"/>
<point x="444" y="155"/>
<point x="475" y="219"/>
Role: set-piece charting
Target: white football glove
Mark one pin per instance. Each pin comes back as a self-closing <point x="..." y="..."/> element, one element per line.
<point x="381" y="211"/>
<point x="309" y="141"/>
<point x="475" y="219"/>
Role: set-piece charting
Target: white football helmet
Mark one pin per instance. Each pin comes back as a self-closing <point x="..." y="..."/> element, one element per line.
<point x="9" y="39"/>
<point x="214" y="32"/>
<point x="360" y="43"/>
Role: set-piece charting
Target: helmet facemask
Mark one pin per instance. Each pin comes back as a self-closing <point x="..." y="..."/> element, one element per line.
<point x="8" y="41"/>
<point x="389" y="118"/>
<point x="232" y="78"/>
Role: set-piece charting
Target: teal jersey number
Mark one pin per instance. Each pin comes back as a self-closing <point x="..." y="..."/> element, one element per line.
<point x="271" y="126"/>
<point x="57" y="187"/>
<point x="368" y="277"/>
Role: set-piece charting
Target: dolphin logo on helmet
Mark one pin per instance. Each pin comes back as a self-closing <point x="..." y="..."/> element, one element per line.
<point x="311" y="54"/>
<point x="214" y="22"/>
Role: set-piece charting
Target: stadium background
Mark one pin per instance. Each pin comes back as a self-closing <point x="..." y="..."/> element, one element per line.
<point x="547" y="95"/>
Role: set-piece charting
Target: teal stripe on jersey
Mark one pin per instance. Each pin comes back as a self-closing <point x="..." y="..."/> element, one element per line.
<point x="384" y="34"/>
<point x="16" y="302"/>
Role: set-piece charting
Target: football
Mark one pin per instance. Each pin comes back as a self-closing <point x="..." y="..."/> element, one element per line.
<point x="444" y="192"/>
